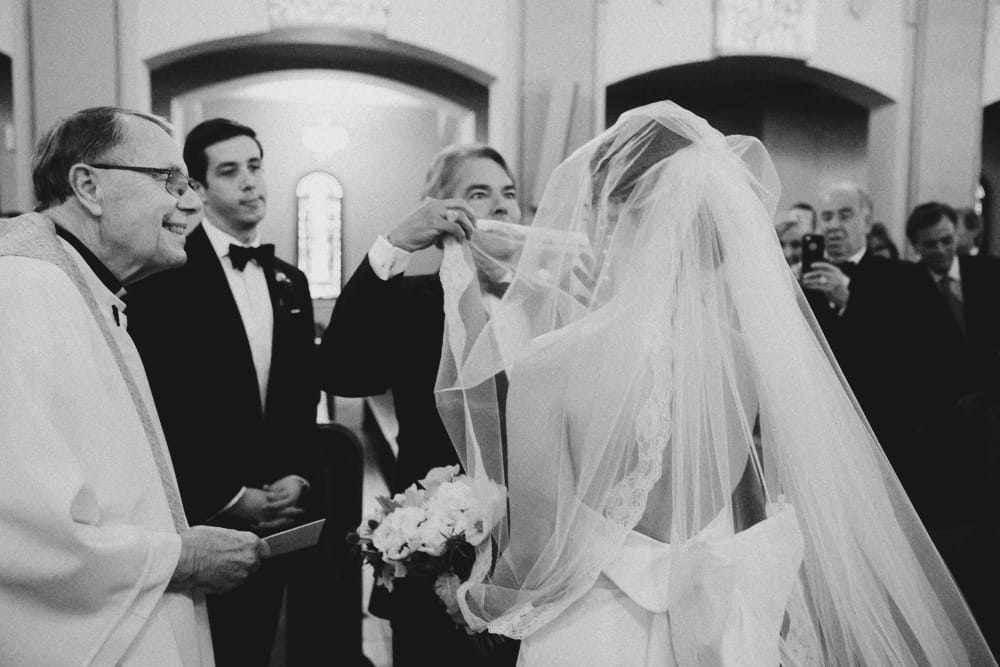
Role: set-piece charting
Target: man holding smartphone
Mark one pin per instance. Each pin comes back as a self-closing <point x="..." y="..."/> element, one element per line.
<point x="889" y="331"/>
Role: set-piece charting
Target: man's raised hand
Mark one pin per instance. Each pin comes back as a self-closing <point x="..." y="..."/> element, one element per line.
<point x="431" y="221"/>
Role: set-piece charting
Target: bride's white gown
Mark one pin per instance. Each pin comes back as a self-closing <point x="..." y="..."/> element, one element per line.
<point x="636" y="370"/>
<point x="724" y="606"/>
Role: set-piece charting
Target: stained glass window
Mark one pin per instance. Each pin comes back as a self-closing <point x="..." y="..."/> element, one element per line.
<point x="320" y="201"/>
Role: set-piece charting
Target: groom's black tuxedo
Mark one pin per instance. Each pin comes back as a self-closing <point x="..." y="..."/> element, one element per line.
<point x="190" y="334"/>
<point x="387" y="334"/>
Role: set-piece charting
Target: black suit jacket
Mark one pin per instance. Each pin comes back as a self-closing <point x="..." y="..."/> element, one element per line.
<point x="188" y="329"/>
<point x="386" y="334"/>
<point x="980" y="345"/>
<point x="895" y="344"/>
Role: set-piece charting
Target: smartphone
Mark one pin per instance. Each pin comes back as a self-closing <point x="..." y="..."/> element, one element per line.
<point x="813" y="250"/>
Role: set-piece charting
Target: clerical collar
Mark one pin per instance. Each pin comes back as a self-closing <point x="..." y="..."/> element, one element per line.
<point x="100" y="270"/>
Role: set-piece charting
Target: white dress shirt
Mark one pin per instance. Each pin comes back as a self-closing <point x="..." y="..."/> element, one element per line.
<point x="249" y="288"/>
<point x="386" y="260"/>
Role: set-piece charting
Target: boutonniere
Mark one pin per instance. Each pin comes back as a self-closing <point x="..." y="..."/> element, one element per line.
<point x="284" y="289"/>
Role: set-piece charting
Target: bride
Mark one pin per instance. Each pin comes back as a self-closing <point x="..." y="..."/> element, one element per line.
<point x="691" y="481"/>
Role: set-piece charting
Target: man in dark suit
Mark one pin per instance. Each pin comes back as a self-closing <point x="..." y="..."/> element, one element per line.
<point x="889" y="333"/>
<point x="228" y="340"/>
<point x="385" y="333"/>
<point x="969" y="287"/>
<point x="892" y="336"/>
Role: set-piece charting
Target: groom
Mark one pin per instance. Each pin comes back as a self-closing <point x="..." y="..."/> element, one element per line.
<point x="228" y="341"/>
<point x="385" y="333"/>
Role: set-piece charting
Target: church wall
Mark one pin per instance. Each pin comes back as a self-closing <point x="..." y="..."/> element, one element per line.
<point x="814" y="150"/>
<point x="16" y="136"/>
<point x="991" y="73"/>
<point x="487" y="39"/>
<point x="167" y="26"/>
<point x="873" y="49"/>
<point x="11" y="22"/>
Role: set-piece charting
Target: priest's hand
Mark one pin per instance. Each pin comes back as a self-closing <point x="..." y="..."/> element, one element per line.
<point x="216" y="560"/>
<point x="430" y="222"/>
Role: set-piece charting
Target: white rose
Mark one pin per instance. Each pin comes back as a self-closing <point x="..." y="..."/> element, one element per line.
<point x="407" y="520"/>
<point x="451" y="497"/>
<point x="437" y="476"/>
<point x="390" y="542"/>
<point x="397" y="534"/>
<point x="412" y="497"/>
<point x="433" y="534"/>
<point x="487" y="510"/>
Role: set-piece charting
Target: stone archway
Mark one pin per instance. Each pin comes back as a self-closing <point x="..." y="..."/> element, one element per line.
<point x="218" y="67"/>
<point x="177" y="72"/>
<point x="815" y="124"/>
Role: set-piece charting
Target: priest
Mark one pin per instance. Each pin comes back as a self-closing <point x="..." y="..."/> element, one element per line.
<point x="98" y="565"/>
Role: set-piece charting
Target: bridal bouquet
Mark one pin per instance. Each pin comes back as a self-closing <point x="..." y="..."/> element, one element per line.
<point x="433" y="529"/>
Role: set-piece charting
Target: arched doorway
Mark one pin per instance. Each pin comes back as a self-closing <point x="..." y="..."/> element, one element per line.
<point x="273" y="82"/>
<point x="177" y="72"/>
<point x="814" y="124"/>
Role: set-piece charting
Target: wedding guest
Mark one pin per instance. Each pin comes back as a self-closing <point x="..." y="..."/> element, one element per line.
<point x="879" y="316"/>
<point x="967" y="288"/>
<point x="970" y="231"/>
<point x="880" y="244"/>
<point x="99" y="566"/>
<point x="385" y="333"/>
<point x="804" y="213"/>
<point x="228" y="340"/>
<point x="790" y="228"/>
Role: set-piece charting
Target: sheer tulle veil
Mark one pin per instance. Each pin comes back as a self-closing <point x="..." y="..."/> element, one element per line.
<point x="651" y="366"/>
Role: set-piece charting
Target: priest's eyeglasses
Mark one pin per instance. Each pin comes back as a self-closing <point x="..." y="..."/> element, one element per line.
<point x="177" y="182"/>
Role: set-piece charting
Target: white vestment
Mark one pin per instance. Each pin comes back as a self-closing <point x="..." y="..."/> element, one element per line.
<point x="89" y="544"/>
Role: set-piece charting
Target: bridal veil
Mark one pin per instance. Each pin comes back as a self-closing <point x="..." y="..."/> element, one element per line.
<point x="652" y="366"/>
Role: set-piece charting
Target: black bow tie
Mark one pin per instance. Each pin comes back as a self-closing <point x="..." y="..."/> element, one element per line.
<point x="240" y="255"/>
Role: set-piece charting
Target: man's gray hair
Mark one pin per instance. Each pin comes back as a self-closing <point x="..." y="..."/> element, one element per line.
<point x="85" y="136"/>
<point x="440" y="177"/>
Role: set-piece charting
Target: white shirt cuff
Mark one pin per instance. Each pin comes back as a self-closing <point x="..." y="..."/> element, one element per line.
<point x="303" y="481"/>
<point x="387" y="260"/>
<point x="232" y="502"/>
